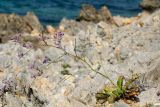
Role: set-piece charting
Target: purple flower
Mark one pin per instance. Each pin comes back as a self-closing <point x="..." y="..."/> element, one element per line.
<point x="35" y="73"/>
<point x="32" y="66"/>
<point x="28" y="45"/>
<point x="2" y="87"/>
<point x="46" y="60"/>
<point x="16" y="38"/>
<point x="58" y="37"/>
<point x="8" y="84"/>
<point x="34" y="70"/>
<point x="20" y="55"/>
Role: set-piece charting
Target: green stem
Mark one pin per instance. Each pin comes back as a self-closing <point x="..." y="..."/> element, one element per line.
<point x="84" y="61"/>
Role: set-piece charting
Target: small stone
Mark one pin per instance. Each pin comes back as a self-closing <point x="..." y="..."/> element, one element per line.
<point x="35" y="32"/>
<point x="124" y="53"/>
<point x="61" y="27"/>
<point x="69" y="78"/>
<point x="50" y="29"/>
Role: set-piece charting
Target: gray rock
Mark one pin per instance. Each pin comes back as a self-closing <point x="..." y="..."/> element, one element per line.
<point x="13" y="101"/>
<point x="121" y="104"/>
<point x="105" y="15"/>
<point x="11" y="24"/>
<point x="149" y="96"/>
<point x="52" y="89"/>
<point x="150" y="4"/>
<point x="152" y="77"/>
<point x="89" y="13"/>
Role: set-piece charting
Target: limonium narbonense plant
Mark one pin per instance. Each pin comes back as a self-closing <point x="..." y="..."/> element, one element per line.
<point x="57" y="44"/>
<point x="7" y="84"/>
<point x="58" y="37"/>
<point x="117" y="92"/>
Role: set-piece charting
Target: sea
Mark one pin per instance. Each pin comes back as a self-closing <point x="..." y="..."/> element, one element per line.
<point x="51" y="12"/>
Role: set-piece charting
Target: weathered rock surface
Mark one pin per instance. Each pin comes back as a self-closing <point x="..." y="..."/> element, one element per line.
<point x="132" y="48"/>
<point x="150" y="4"/>
<point x="12" y="24"/>
<point x="89" y="13"/>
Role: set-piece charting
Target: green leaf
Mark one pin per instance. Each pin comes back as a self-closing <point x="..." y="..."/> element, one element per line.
<point x="120" y="82"/>
<point x="116" y="93"/>
<point x="65" y="72"/>
<point x="112" y="99"/>
<point x="66" y="66"/>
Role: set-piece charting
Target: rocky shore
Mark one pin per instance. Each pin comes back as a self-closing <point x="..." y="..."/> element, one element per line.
<point x="39" y="70"/>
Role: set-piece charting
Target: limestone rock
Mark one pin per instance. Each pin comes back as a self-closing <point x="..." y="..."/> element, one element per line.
<point x="152" y="77"/>
<point x="150" y="4"/>
<point x="39" y="84"/>
<point x="11" y="24"/>
<point x="89" y="13"/>
<point x="50" y="29"/>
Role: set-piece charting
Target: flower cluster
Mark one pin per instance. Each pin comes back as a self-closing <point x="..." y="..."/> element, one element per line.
<point x="32" y="66"/>
<point x="58" y="37"/>
<point x="28" y="45"/>
<point x="46" y="60"/>
<point x="20" y="54"/>
<point x="7" y="85"/>
<point x="2" y="88"/>
<point x="16" y="38"/>
<point x="34" y="70"/>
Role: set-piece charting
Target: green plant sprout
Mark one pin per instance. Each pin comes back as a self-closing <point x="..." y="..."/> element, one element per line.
<point x="127" y="91"/>
<point x="65" y="70"/>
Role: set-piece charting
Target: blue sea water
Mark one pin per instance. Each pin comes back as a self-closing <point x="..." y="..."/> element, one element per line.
<point x="52" y="11"/>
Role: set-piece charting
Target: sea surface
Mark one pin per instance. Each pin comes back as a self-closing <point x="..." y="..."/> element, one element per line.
<point x="52" y="11"/>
